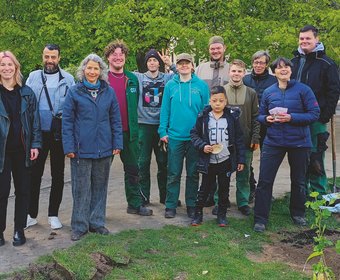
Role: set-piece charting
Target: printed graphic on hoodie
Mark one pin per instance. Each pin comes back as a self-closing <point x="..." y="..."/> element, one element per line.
<point x="152" y="94"/>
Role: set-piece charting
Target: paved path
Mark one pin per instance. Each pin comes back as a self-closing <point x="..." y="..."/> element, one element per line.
<point x="38" y="242"/>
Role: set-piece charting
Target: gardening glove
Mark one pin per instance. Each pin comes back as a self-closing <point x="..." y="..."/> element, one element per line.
<point x="163" y="146"/>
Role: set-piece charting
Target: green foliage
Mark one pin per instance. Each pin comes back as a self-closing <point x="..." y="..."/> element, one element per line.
<point x="320" y="269"/>
<point x="82" y="27"/>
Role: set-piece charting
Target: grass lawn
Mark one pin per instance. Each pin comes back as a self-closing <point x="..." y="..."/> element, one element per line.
<point x="173" y="252"/>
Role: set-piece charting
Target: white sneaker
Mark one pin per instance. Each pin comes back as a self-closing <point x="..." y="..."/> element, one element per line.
<point x="30" y="221"/>
<point x="54" y="222"/>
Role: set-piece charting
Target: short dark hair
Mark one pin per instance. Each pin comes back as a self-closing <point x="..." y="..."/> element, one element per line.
<point x="53" y="47"/>
<point x="277" y="62"/>
<point x="309" y="27"/>
<point x="217" y="90"/>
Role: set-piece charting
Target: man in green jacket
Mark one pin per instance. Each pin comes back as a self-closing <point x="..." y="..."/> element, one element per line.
<point x="126" y="87"/>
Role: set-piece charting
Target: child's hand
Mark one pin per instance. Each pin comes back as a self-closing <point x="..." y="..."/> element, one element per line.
<point x="240" y="167"/>
<point x="208" y="149"/>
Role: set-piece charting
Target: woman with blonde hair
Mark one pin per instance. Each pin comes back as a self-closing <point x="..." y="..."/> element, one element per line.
<point x="20" y="139"/>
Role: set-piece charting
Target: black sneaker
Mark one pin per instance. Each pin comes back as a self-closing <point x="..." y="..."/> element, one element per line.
<point x="170" y="213"/>
<point x="191" y="211"/>
<point x="245" y="210"/>
<point x="197" y="220"/>
<point x="2" y="239"/>
<point x="259" y="227"/>
<point x="299" y="221"/>
<point x="100" y="230"/>
<point x="19" y="238"/>
<point x="76" y="235"/>
<point x="251" y="196"/>
<point x="222" y="221"/>
<point x="215" y="210"/>
<point x="141" y="210"/>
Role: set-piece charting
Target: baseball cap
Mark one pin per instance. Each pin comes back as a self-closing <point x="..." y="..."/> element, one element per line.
<point x="184" y="56"/>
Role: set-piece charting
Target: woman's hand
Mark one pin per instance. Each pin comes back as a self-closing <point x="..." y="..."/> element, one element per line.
<point x="165" y="139"/>
<point x="71" y="155"/>
<point x="282" y="118"/>
<point x="270" y="119"/>
<point x="208" y="149"/>
<point x="34" y="154"/>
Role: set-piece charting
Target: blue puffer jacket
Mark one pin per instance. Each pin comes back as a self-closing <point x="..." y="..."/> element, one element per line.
<point x="91" y="128"/>
<point x="31" y="134"/>
<point x="200" y="137"/>
<point x="303" y="108"/>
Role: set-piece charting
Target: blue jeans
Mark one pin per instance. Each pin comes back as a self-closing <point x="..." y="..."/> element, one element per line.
<point x="271" y="159"/>
<point x="177" y="150"/>
<point x="90" y="178"/>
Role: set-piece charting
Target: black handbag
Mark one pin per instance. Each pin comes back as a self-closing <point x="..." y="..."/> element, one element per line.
<point x="56" y="119"/>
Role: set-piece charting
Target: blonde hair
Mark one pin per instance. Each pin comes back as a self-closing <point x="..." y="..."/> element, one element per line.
<point x="239" y="63"/>
<point x="17" y="74"/>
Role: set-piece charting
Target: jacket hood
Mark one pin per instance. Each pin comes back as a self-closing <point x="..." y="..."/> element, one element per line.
<point x="319" y="49"/>
<point x="194" y="78"/>
<point x="159" y="77"/>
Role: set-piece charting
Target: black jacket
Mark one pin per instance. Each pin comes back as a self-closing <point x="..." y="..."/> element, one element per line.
<point x="29" y="116"/>
<point x="321" y="74"/>
<point x="200" y="137"/>
<point x="259" y="82"/>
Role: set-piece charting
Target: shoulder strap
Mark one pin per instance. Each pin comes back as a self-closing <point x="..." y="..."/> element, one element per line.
<point x="46" y="92"/>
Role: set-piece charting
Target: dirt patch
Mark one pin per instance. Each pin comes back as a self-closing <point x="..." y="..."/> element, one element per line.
<point x="293" y="248"/>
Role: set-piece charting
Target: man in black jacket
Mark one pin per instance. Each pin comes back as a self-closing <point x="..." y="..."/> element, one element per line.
<point x="313" y="68"/>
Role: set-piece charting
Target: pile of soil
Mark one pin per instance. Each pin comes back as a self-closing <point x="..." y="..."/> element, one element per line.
<point x="293" y="248"/>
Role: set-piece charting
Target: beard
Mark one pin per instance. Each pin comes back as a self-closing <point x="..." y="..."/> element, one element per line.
<point x="51" y="68"/>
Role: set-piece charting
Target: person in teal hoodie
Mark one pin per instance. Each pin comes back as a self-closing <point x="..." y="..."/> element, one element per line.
<point x="184" y="97"/>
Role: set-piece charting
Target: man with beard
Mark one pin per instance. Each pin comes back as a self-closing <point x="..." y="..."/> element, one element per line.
<point x="216" y="73"/>
<point x="50" y="86"/>
<point x="314" y="68"/>
<point x="126" y="87"/>
<point x="151" y="87"/>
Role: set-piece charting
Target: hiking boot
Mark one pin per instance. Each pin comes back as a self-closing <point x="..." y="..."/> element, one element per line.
<point x="245" y="210"/>
<point x="170" y="213"/>
<point x="100" y="230"/>
<point x="198" y="218"/>
<point x="191" y="211"/>
<point x="259" y="227"/>
<point x="299" y="221"/>
<point x="141" y="210"/>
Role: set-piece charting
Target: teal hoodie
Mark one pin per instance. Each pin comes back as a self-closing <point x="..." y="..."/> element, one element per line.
<point x="182" y="102"/>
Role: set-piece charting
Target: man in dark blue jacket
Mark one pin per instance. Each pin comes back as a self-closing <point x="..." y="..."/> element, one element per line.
<point x="313" y="68"/>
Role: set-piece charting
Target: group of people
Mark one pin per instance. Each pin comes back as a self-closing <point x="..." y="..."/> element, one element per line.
<point x="213" y="116"/>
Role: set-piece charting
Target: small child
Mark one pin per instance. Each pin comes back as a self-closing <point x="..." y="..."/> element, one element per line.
<point x="218" y="137"/>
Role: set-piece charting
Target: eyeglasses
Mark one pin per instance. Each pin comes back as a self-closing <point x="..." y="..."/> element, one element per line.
<point x="259" y="63"/>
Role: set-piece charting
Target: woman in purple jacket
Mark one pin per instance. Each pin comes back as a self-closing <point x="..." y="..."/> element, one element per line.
<point x="287" y="108"/>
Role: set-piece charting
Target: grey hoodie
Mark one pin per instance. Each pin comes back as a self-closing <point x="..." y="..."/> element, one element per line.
<point x="150" y="98"/>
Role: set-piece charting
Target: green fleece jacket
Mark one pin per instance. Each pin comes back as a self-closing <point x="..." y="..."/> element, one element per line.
<point x="245" y="99"/>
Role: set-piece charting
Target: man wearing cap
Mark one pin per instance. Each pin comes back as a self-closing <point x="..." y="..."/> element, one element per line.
<point x="126" y="88"/>
<point x="151" y="87"/>
<point x="184" y="97"/>
<point x="216" y="71"/>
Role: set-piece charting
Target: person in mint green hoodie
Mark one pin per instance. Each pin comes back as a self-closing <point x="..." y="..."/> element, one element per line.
<point x="184" y="97"/>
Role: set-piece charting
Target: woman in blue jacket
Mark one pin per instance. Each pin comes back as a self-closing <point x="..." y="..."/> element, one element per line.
<point x="287" y="133"/>
<point x="92" y="133"/>
<point x="20" y="139"/>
